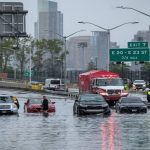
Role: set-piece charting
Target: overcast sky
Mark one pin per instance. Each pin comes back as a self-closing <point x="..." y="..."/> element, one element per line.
<point x="100" y="12"/>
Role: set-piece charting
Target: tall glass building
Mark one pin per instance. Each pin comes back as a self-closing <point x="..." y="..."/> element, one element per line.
<point x="50" y="21"/>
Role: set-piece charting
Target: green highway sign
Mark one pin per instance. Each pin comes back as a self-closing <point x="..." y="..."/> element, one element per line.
<point x="129" y="54"/>
<point x="27" y="73"/>
<point x="137" y="44"/>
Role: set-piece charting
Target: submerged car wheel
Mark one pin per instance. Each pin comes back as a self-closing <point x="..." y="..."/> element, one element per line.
<point x="74" y="111"/>
<point x="145" y="111"/>
<point x="79" y="111"/>
<point x="108" y="112"/>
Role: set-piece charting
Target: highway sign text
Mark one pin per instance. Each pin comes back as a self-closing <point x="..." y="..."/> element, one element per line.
<point x="129" y="54"/>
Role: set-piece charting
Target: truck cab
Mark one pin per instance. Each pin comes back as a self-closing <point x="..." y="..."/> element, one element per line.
<point x="110" y="88"/>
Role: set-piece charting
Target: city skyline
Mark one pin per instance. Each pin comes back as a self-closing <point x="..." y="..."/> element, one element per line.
<point x="100" y="12"/>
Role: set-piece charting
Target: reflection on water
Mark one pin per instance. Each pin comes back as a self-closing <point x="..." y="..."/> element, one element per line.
<point x="110" y="134"/>
<point x="64" y="131"/>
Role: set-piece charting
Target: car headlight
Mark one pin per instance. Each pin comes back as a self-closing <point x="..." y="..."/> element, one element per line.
<point x="122" y="106"/>
<point x="144" y="106"/>
<point x="83" y="105"/>
<point x="105" y="105"/>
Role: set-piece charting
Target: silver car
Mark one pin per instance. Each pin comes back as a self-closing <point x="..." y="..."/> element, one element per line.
<point x="7" y="106"/>
<point x="139" y="84"/>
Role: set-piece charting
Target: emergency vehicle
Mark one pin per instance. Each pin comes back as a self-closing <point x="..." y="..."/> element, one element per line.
<point x="105" y="83"/>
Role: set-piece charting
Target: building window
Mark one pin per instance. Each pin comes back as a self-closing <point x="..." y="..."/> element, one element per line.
<point x="8" y="18"/>
<point x="7" y="28"/>
<point x="18" y="7"/>
<point x="7" y="7"/>
<point x="18" y="18"/>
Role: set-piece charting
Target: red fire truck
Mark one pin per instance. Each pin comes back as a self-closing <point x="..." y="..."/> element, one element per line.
<point x="105" y="83"/>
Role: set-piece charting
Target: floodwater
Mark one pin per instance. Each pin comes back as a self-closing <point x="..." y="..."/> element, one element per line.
<point x="64" y="131"/>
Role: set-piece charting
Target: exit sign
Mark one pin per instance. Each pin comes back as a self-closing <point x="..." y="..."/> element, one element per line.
<point x="137" y="44"/>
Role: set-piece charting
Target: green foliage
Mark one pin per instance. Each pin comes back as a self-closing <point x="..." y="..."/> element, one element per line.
<point x="146" y="67"/>
<point x="37" y="48"/>
<point x="91" y="66"/>
<point x="52" y="49"/>
<point x="6" y="51"/>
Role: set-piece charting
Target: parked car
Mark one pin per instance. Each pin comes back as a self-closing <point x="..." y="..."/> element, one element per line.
<point x="7" y="105"/>
<point x="131" y="104"/>
<point x="139" y="84"/>
<point x="34" y="105"/>
<point x="90" y="104"/>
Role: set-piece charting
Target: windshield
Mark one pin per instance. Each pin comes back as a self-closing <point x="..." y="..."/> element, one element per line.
<point x="109" y="82"/>
<point x="55" y="81"/>
<point x="139" y="81"/>
<point x="35" y="101"/>
<point x="131" y="100"/>
<point x="91" y="98"/>
<point x="5" y="99"/>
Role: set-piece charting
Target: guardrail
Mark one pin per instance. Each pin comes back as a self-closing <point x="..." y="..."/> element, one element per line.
<point x="71" y="93"/>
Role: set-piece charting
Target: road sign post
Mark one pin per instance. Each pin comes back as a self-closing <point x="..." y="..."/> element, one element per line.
<point x="129" y="54"/>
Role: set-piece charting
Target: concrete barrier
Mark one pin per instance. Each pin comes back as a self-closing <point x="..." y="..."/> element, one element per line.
<point x="71" y="93"/>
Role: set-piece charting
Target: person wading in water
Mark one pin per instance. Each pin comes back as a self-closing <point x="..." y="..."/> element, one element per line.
<point x="45" y="104"/>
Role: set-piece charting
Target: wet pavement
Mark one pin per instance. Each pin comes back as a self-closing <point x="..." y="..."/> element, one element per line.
<point x="64" y="131"/>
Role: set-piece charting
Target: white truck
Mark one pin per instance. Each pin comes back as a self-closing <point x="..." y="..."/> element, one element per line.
<point x="53" y="83"/>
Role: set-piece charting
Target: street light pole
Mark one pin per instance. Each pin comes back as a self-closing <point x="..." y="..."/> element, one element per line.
<point x="108" y="31"/>
<point x="65" y="48"/>
<point x="30" y="64"/>
<point x="122" y="7"/>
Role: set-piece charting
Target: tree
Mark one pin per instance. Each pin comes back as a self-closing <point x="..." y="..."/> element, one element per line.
<point x="54" y="47"/>
<point x="6" y="47"/>
<point x="91" y="66"/>
<point x="121" y="69"/>
<point x="22" y="54"/>
<point x="38" y="55"/>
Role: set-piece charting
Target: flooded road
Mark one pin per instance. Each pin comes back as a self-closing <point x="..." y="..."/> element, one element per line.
<point x="64" y="131"/>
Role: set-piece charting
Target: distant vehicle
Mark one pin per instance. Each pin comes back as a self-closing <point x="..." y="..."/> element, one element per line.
<point x="139" y="84"/>
<point x="53" y="84"/>
<point x="90" y="104"/>
<point x="131" y="104"/>
<point x="7" y="105"/>
<point x="34" y="105"/>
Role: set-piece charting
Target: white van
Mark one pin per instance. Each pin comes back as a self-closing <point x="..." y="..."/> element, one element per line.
<point x="52" y="83"/>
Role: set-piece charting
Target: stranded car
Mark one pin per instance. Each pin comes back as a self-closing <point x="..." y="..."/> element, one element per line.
<point x="90" y="104"/>
<point x="7" y="105"/>
<point x="131" y="104"/>
<point x="34" y="105"/>
<point x="139" y="84"/>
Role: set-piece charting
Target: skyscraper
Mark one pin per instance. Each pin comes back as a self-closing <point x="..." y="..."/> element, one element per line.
<point x="50" y="21"/>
